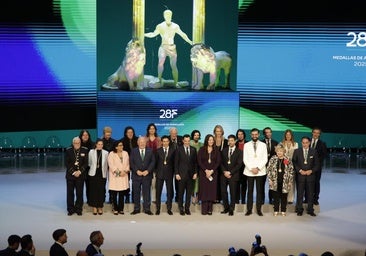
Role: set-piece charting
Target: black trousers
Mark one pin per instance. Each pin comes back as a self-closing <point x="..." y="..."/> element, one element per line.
<point x="259" y="184"/>
<point x="169" y="190"/>
<point x="241" y="189"/>
<point x="185" y="186"/>
<point x="118" y="201"/>
<point x="225" y="183"/>
<point x="74" y="195"/>
<point x="279" y="198"/>
<point x="305" y="183"/>
<point x="143" y="184"/>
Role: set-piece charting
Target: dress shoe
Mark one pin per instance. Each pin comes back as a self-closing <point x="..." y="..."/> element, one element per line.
<point x="231" y="213"/>
<point x="299" y="213"/>
<point x="70" y="213"/>
<point x="148" y="212"/>
<point x="248" y="213"/>
<point x="157" y="212"/>
<point x="275" y="213"/>
<point x="170" y="212"/>
<point x="115" y="212"/>
<point x="135" y="212"/>
<point x="209" y="213"/>
<point x="188" y="212"/>
<point x="290" y="202"/>
<point x="259" y="213"/>
<point x="312" y="214"/>
<point x="79" y="213"/>
<point x="283" y="213"/>
<point x="225" y="211"/>
<point x="181" y="212"/>
<point x="121" y="212"/>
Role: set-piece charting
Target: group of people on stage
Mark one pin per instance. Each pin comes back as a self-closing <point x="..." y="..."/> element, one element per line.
<point x="219" y="170"/>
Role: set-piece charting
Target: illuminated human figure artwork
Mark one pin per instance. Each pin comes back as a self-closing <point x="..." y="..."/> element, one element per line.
<point x="205" y="60"/>
<point x="167" y="30"/>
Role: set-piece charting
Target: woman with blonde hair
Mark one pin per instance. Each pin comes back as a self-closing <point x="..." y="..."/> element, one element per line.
<point x="280" y="178"/>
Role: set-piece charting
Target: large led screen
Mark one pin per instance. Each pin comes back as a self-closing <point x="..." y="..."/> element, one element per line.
<point x="48" y="60"/>
<point x="303" y="63"/>
<point x="186" y="111"/>
<point x="165" y="47"/>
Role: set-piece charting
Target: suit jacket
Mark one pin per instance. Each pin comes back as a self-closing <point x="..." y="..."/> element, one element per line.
<point x="136" y="162"/>
<point x="23" y="253"/>
<point x="71" y="157"/>
<point x="92" y="159"/>
<point x="177" y="144"/>
<point x="236" y="162"/>
<point x="90" y="250"/>
<point x="255" y="159"/>
<point x="58" y="250"/>
<point x="272" y="151"/>
<point x="8" y="252"/>
<point x="164" y="171"/>
<point x="321" y="148"/>
<point x="312" y="162"/>
<point x="185" y="166"/>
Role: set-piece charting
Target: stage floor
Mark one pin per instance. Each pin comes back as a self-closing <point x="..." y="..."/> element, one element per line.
<point x="34" y="201"/>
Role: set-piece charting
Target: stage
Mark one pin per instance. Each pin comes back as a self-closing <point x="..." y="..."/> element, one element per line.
<point x="34" y="202"/>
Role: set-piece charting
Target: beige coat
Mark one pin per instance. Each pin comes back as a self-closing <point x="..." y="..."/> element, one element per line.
<point x="118" y="171"/>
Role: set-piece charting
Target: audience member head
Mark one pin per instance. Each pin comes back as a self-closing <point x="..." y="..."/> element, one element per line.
<point x="96" y="238"/>
<point x="82" y="253"/>
<point x="14" y="241"/>
<point x="242" y="252"/>
<point x="26" y="242"/>
<point x="327" y="253"/>
<point x="59" y="235"/>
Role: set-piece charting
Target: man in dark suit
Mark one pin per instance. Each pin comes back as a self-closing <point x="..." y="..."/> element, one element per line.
<point x="13" y="245"/>
<point x="271" y="144"/>
<point x="175" y="141"/>
<point x="96" y="240"/>
<point x="60" y="237"/>
<point x="321" y="149"/>
<point x="27" y="245"/>
<point x="76" y="161"/>
<point x="142" y="164"/>
<point x="185" y="169"/>
<point x="164" y="172"/>
<point x="231" y="166"/>
<point x="306" y="164"/>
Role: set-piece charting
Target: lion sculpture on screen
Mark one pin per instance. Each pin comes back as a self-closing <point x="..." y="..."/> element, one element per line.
<point x="129" y="75"/>
<point x="205" y="60"/>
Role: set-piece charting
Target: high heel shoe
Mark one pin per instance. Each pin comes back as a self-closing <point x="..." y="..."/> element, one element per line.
<point x="100" y="211"/>
<point x="95" y="211"/>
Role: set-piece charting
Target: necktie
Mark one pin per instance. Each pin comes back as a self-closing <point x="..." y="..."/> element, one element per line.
<point x="231" y="152"/>
<point x="142" y="154"/>
<point x="187" y="152"/>
<point x="165" y="151"/>
<point x="268" y="146"/>
<point x="306" y="154"/>
<point x="255" y="146"/>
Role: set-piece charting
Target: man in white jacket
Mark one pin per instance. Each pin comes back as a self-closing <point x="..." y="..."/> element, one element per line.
<point x="255" y="160"/>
